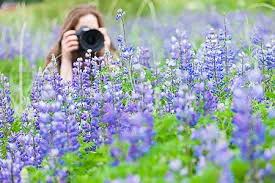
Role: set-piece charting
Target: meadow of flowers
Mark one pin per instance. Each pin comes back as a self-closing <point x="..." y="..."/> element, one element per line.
<point x="189" y="99"/>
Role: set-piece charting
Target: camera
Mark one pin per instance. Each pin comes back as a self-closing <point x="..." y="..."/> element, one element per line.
<point x="89" y="39"/>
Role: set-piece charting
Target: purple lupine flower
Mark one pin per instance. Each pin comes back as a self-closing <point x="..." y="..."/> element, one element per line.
<point x="128" y="179"/>
<point x="139" y="136"/>
<point x="175" y="168"/>
<point x="126" y="56"/>
<point x="143" y="57"/>
<point x="86" y="83"/>
<point x="56" y="127"/>
<point x="37" y="87"/>
<point x="244" y="121"/>
<point x="12" y="164"/>
<point x="205" y="98"/>
<point x="35" y="47"/>
<point x="30" y="148"/>
<point x="271" y="113"/>
<point x="243" y="64"/>
<point x="183" y="104"/>
<point x="227" y="48"/>
<point x="120" y="14"/>
<point x="213" y="147"/>
<point x="249" y="130"/>
<point x="175" y="165"/>
<point x="6" y="112"/>
<point x="265" y="56"/>
<point x="226" y="176"/>
<point x="113" y="115"/>
<point x="143" y="97"/>
<point x="181" y="50"/>
<point x="115" y="153"/>
<point x="270" y="55"/>
<point x="214" y="60"/>
<point x="54" y="172"/>
<point x="31" y="116"/>
<point x="171" y="82"/>
<point x="256" y="36"/>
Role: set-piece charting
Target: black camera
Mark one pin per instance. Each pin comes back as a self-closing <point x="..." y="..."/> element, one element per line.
<point x="89" y="39"/>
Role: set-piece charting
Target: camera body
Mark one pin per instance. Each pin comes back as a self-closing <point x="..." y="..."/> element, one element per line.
<point x="90" y="39"/>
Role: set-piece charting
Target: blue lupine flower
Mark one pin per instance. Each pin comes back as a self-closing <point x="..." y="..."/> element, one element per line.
<point x="128" y="179"/>
<point x="181" y="51"/>
<point x="120" y="14"/>
<point x="213" y="146"/>
<point x="214" y="59"/>
<point x="6" y="112"/>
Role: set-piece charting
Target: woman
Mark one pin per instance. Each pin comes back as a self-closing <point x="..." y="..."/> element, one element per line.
<point x="66" y="48"/>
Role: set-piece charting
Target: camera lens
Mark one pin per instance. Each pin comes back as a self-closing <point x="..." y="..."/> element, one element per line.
<point x="90" y="39"/>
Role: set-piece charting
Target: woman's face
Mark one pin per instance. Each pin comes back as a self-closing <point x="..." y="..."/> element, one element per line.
<point x="87" y="20"/>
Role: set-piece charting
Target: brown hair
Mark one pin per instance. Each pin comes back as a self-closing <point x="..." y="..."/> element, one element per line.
<point x="69" y="24"/>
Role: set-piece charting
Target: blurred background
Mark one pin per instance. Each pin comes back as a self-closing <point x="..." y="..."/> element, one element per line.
<point x="57" y="9"/>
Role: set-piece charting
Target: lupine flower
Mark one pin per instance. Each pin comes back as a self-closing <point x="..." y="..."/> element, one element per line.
<point x="143" y="97"/>
<point x="245" y="122"/>
<point x="56" y="125"/>
<point x="120" y="14"/>
<point x="183" y="104"/>
<point x="139" y="136"/>
<point x="22" y="150"/>
<point x="271" y="113"/>
<point x="213" y="148"/>
<point x="53" y="171"/>
<point x="35" y="46"/>
<point x="181" y="51"/>
<point x="214" y="60"/>
<point x="6" y="112"/>
<point x="175" y="165"/>
<point x="128" y="179"/>
<point x="243" y="65"/>
<point x="59" y="130"/>
<point x="256" y="36"/>
<point x="205" y="98"/>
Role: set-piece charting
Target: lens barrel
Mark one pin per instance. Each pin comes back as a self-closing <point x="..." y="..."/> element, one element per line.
<point x="90" y="39"/>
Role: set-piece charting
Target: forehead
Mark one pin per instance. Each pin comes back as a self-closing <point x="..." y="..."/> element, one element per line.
<point x="87" y="20"/>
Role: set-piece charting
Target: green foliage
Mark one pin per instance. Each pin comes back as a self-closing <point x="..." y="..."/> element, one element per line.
<point x="239" y="169"/>
<point x="10" y="68"/>
<point x="166" y="128"/>
<point x="210" y="174"/>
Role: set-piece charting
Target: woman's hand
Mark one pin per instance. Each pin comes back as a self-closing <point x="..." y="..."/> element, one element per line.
<point x="107" y="40"/>
<point x="69" y="44"/>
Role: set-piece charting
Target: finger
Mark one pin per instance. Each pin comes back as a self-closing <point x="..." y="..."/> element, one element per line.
<point x="69" y="33"/>
<point x="107" y="40"/>
<point x="70" y="38"/>
<point x="73" y="48"/>
<point x="72" y="43"/>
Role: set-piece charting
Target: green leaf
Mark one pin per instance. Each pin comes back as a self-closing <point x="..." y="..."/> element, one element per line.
<point x="270" y="95"/>
<point x="239" y="169"/>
